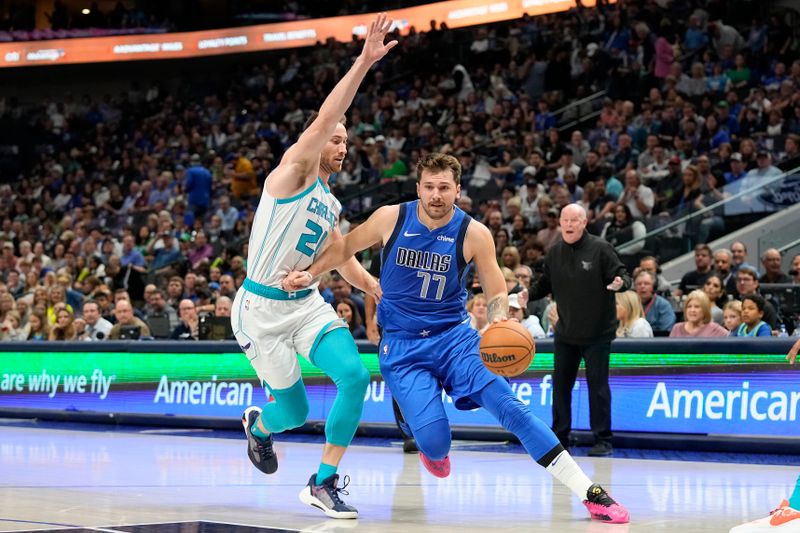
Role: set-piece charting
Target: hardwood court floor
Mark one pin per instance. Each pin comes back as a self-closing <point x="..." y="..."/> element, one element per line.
<point x="60" y="479"/>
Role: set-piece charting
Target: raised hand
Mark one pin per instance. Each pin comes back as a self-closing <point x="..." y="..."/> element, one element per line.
<point x="522" y="297"/>
<point x="374" y="47"/>
<point x="552" y="315"/>
<point x="615" y="285"/>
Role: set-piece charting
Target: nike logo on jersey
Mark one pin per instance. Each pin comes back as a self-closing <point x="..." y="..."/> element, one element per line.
<point x="407" y="234"/>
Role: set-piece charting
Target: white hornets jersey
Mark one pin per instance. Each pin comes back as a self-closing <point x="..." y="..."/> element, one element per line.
<point x="289" y="233"/>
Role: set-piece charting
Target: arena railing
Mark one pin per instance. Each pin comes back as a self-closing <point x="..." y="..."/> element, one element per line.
<point x="581" y="120"/>
<point x="788" y="246"/>
<point x="591" y="99"/>
<point x="745" y="200"/>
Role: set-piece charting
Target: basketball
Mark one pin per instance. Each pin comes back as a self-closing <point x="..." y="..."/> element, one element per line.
<point x="507" y="348"/>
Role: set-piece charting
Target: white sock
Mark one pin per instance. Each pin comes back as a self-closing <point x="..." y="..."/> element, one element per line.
<point x="566" y="470"/>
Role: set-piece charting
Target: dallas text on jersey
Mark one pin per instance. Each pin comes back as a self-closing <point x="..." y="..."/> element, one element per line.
<point x="423" y="260"/>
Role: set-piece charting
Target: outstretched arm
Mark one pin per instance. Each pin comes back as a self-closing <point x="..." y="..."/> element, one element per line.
<point x="302" y="158"/>
<point x="342" y="249"/>
<point x="479" y="245"/>
<point x="357" y="276"/>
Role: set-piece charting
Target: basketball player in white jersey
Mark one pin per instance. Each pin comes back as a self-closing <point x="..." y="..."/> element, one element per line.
<point x="295" y="220"/>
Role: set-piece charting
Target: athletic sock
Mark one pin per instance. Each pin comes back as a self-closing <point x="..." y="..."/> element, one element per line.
<point x="794" y="499"/>
<point x="566" y="470"/>
<point x="255" y="430"/>
<point x="325" y="471"/>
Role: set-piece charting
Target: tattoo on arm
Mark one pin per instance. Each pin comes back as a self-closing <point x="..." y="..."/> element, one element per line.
<point x="497" y="308"/>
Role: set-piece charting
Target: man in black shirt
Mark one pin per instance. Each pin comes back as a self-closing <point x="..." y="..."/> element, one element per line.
<point x="582" y="272"/>
<point x="188" y="329"/>
<point x="696" y="278"/>
<point x="591" y="169"/>
<point x="747" y="283"/>
<point x="771" y="259"/>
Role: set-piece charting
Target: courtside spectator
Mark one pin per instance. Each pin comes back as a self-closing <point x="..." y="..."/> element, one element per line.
<point x="123" y="311"/>
<point x="697" y="318"/>
<point x="630" y="314"/>
<point x="771" y="260"/>
<point x="188" y="329"/>
<point x="747" y="283"/>
<point x="732" y="316"/>
<point x="753" y="324"/>
<point x="97" y="328"/>
<point x="516" y="310"/>
<point x="696" y="278"/>
<point x="716" y="295"/>
<point x="657" y="310"/>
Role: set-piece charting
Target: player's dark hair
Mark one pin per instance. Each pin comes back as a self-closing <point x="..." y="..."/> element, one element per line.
<point x="703" y="248"/>
<point x="313" y="116"/>
<point x="438" y="162"/>
<point x="756" y="299"/>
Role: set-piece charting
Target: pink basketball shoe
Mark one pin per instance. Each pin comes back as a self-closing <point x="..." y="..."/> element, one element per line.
<point x="439" y="468"/>
<point x="603" y="507"/>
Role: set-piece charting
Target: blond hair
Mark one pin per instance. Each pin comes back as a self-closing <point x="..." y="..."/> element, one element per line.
<point x="735" y="306"/>
<point x="508" y="274"/>
<point x="471" y="301"/>
<point x="702" y="299"/>
<point x="632" y="305"/>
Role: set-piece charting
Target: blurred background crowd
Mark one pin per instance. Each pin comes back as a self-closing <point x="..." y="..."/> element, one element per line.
<point x="131" y="208"/>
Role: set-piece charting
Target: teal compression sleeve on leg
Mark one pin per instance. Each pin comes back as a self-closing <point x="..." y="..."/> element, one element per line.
<point x="336" y="354"/>
<point x="288" y="411"/>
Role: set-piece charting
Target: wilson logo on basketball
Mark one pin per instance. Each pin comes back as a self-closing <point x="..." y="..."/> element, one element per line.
<point x="507" y="348"/>
<point x="494" y="358"/>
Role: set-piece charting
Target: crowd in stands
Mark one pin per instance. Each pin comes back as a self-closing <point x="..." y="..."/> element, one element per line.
<point x="138" y="205"/>
<point x="721" y="297"/>
<point x="18" y="21"/>
<point x="69" y="20"/>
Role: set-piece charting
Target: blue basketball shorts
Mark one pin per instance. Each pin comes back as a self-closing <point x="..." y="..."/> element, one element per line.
<point x="418" y="369"/>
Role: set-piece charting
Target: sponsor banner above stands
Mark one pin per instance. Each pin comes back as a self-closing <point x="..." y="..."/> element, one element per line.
<point x="719" y="388"/>
<point x="454" y="14"/>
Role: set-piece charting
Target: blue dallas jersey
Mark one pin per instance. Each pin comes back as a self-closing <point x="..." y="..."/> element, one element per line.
<point x="423" y="275"/>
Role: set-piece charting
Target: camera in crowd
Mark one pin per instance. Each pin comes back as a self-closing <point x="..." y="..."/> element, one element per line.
<point x="215" y="328"/>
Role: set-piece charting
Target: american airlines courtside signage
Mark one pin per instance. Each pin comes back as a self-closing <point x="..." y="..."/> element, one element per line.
<point x="709" y="392"/>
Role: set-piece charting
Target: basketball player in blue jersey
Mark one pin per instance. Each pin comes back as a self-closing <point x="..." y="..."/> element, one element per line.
<point x="428" y="344"/>
<point x="295" y="220"/>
